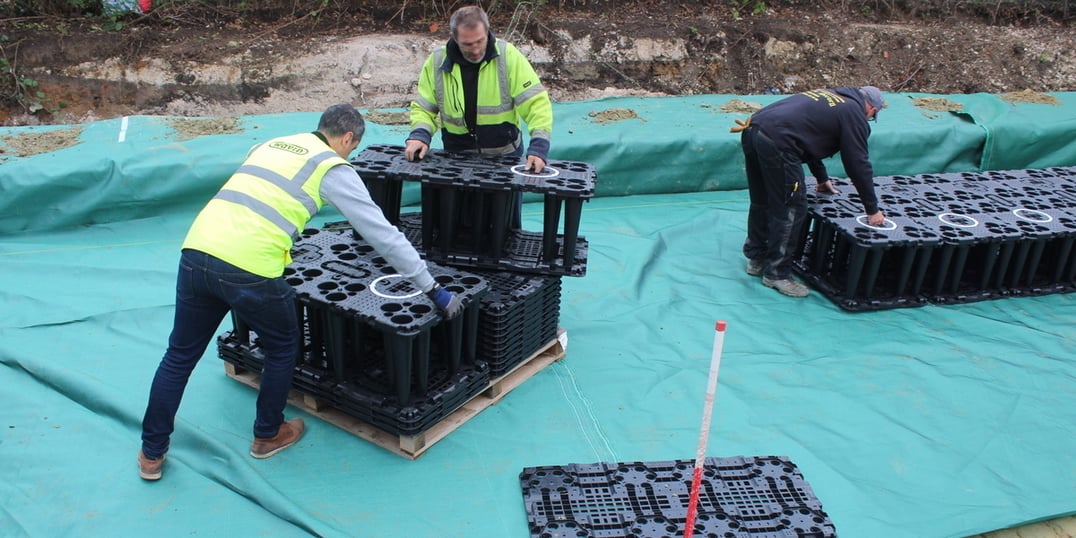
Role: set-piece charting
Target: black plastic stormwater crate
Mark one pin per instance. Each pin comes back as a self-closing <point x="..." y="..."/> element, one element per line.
<point x="522" y="253"/>
<point x="1044" y="261"/>
<point x="469" y="203"/>
<point x="447" y="393"/>
<point x="345" y="286"/>
<point x="862" y="267"/>
<point x="949" y="238"/>
<point x="491" y="172"/>
<point x="336" y="267"/>
<point x="363" y="396"/>
<point x="740" y="497"/>
<point x="971" y="263"/>
<point x="353" y="306"/>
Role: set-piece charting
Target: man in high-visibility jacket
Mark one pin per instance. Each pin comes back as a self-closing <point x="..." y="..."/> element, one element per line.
<point x="477" y="88"/>
<point x="233" y="259"/>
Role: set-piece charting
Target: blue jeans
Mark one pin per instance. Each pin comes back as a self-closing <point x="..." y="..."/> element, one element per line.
<point x="206" y="289"/>
<point x="775" y="184"/>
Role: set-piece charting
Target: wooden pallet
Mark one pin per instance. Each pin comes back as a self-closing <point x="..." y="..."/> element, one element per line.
<point x="413" y="446"/>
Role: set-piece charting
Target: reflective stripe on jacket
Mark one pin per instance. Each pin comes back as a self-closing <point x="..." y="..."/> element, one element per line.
<point x="256" y="216"/>
<point x="508" y="91"/>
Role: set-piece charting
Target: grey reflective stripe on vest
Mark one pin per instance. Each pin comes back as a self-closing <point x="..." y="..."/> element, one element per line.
<point x="261" y="208"/>
<point x="502" y="78"/>
<point x="439" y="91"/>
<point x="507" y="148"/>
<point x="528" y="93"/>
<point x="439" y="78"/>
<point x="294" y="187"/>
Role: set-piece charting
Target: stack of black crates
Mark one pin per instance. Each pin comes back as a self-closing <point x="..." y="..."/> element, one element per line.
<point x="374" y="346"/>
<point x="949" y="238"/>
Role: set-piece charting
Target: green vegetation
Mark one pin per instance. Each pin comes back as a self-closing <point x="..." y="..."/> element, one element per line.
<point x="997" y="9"/>
<point x="750" y="7"/>
<point x="16" y="89"/>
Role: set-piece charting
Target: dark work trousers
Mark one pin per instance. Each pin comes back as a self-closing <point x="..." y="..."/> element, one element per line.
<point x="207" y="289"/>
<point x="778" y="203"/>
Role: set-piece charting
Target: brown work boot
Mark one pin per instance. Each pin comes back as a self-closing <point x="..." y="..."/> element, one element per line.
<point x="149" y="469"/>
<point x="288" y="434"/>
<point x="755" y="267"/>
<point x="786" y="286"/>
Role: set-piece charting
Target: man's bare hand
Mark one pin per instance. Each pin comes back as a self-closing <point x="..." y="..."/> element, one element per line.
<point x="415" y="149"/>
<point x="876" y="219"/>
<point x="827" y="187"/>
<point x="534" y="164"/>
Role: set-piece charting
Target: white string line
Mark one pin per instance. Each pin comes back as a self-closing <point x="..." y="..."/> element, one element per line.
<point x="595" y="426"/>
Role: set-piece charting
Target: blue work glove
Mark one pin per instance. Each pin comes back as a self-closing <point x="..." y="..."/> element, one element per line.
<point x="447" y="301"/>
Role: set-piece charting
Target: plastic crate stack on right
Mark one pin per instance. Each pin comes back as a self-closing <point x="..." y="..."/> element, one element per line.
<point x="862" y="267"/>
<point x="1042" y="205"/>
<point x="949" y="238"/>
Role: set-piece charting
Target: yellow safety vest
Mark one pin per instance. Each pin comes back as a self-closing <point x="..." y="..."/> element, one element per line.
<point x="255" y="218"/>
<point x="513" y="93"/>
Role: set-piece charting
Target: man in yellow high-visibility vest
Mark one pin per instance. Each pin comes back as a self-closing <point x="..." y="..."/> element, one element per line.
<point x="233" y="259"/>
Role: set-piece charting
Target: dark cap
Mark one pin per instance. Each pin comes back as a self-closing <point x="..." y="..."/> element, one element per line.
<point x="874" y="97"/>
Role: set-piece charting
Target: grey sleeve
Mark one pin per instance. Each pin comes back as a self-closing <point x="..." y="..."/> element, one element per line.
<point x="344" y="190"/>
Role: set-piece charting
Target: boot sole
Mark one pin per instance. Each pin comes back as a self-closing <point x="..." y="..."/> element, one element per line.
<point x="783" y="292"/>
<point x="151" y="476"/>
<point x="263" y="455"/>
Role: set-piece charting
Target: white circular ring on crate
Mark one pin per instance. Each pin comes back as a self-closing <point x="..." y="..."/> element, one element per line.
<point x="547" y="172"/>
<point x="886" y="224"/>
<point x="374" y="290"/>
<point x="960" y="221"/>
<point x="1032" y="215"/>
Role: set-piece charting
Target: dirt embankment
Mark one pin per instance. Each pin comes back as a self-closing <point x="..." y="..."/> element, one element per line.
<point x="235" y="67"/>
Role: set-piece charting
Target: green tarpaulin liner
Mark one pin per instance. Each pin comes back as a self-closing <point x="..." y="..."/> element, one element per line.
<point x="937" y="421"/>
<point x="135" y="167"/>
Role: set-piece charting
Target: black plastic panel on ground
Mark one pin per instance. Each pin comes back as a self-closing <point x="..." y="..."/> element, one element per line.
<point x="740" y="497"/>
<point x="568" y="179"/>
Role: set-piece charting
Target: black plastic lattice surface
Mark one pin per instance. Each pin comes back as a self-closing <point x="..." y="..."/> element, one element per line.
<point x="334" y="267"/>
<point x="950" y="238"/>
<point x="740" y="497"/>
<point x="470" y="212"/>
<point x="519" y="316"/>
<point x="364" y="397"/>
<point x="523" y="252"/>
<point x="489" y="172"/>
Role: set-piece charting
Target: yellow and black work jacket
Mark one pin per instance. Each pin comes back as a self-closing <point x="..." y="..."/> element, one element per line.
<point x="508" y="91"/>
<point x="256" y="216"/>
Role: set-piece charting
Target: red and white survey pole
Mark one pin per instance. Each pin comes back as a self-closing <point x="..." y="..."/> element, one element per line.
<point x="704" y="432"/>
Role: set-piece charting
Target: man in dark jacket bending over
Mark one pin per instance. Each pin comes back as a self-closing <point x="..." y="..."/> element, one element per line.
<point x="777" y="140"/>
